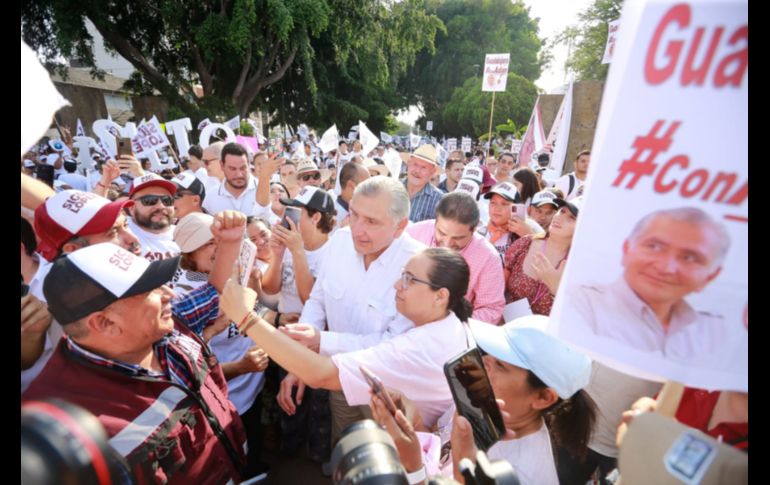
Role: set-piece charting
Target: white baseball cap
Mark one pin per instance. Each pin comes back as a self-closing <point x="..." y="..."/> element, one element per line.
<point x="544" y="197"/>
<point x="468" y="185"/>
<point x="504" y="189"/>
<point x="524" y="343"/>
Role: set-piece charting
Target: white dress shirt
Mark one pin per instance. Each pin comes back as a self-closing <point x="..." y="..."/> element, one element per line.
<point x="221" y="199"/>
<point x="358" y="304"/>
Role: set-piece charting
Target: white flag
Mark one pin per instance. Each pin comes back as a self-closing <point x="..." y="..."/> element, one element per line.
<point x="442" y="154"/>
<point x="234" y="123"/>
<point x="79" y="131"/>
<point x="559" y="139"/>
<point x="39" y="99"/>
<point x="612" y="35"/>
<point x="385" y="137"/>
<point x="330" y="140"/>
<point x="414" y="140"/>
<point x="451" y="144"/>
<point x="368" y="140"/>
<point x="203" y="124"/>
<point x="303" y="132"/>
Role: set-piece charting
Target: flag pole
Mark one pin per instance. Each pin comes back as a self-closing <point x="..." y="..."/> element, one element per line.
<point x="489" y="134"/>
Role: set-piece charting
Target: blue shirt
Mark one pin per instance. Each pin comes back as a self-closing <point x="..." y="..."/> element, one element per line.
<point x="424" y="202"/>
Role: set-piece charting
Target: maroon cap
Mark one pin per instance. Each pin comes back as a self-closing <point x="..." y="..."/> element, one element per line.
<point x="151" y="180"/>
<point x="72" y="213"/>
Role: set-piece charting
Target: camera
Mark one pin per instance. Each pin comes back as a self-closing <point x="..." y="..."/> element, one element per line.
<point x="366" y="455"/>
<point x="64" y="443"/>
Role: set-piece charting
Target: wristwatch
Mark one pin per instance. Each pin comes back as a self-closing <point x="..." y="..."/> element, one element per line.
<point x="418" y="476"/>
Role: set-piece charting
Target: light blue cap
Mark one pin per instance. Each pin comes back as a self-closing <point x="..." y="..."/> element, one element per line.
<point x="524" y="343"/>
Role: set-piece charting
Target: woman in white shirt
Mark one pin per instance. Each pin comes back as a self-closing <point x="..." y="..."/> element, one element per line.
<point x="430" y="293"/>
<point x="539" y="380"/>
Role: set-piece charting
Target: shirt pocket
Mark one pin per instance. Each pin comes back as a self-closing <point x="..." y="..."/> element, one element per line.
<point x="380" y="312"/>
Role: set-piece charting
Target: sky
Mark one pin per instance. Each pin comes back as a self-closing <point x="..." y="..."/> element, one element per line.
<point x="554" y="16"/>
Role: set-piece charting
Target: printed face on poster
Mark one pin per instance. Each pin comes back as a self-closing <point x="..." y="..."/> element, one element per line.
<point x="495" y="75"/>
<point x="657" y="280"/>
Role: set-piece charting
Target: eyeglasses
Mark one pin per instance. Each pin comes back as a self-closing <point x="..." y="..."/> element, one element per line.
<point x="151" y="200"/>
<point x="209" y="160"/>
<point x="315" y="176"/>
<point x="408" y="278"/>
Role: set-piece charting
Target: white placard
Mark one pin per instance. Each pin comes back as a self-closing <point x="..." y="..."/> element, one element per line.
<point x="656" y="283"/>
<point x="495" y="75"/>
<point x="465" y="145"/>
<point x="611" y="38"/>
<point x="451" y="144"/>
<point x="149" y="139"/>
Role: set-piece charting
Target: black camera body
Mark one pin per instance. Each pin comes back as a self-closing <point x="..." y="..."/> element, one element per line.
<point x="366" y="455"/>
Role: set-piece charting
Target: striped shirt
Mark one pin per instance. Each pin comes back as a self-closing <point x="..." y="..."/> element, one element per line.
<point x="423" y="204"/>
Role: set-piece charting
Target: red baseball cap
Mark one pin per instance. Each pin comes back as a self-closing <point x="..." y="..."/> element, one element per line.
<point x="151" y="180"/>
<point x="72" y="213"/>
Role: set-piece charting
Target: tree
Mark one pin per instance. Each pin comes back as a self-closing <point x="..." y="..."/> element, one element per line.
<point x="473" y="29"/>
<point x="467" y="111"/>
<point x="357" y="79"/>
<point x="236" y="49"/>
<point x="591" y="38"/>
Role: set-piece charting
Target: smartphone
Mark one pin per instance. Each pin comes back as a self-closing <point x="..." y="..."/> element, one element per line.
<point x="474" y="398"/>
<point x="124" y="146"/>
<point x="293" y="214"/>
<point x="378" y="388"/>
<point x="519" y="210"/>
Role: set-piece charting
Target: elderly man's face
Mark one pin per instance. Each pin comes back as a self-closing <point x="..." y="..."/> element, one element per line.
<point x="420" y="171"/>
<point x="371" y="225"/>
<point x="670" y="259"/>
<point x="143" y="319"/>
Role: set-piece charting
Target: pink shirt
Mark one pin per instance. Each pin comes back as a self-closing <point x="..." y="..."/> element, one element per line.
<point x="411" y="362"/>
<point x="487" y="284"/>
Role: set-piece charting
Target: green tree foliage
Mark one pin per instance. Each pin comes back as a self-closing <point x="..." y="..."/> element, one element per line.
<point x="467" y="112"/>
<point x="239" y="49"/>
<point x="357" y="64"/>
<point x="590" y="37"/>
<point x="473" y="29"/>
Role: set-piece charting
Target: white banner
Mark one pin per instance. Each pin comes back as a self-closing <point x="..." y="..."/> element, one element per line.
<point x="414" y="141"/>
<point x="429" y="126"/>
<point x="39" y="99"/>
<point x="330" y="140"/>
<point x="465" y="144"/>
<point x="656" y="284"/>
<point x="558" y="138"/>
<point x="79" y="131"/>
<point x="303" y="132"/>
<point x="369" y="140"/>
<point x="385" y="137"/>
<point x="515" y="146"/>
<point x="203" y="124"/>
<point x="611" y="37"/>
<point x="495" y="75"/>
<point x="234" y="123"/>
<point x="451" y="144"/>
<point x="149" y="138"/>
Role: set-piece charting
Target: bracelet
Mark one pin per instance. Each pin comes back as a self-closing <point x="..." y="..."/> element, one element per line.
<point x="249" y="324"/>
<point x="418" y="476"/>
<point x="277" y="320"/>
<point x="243" y="320"/>
<point x="101" y="185"/>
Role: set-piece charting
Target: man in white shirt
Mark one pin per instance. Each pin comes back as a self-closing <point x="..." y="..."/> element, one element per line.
<point x="570" y="182"/>
<point x="350" y="176"/>
<point x="211" y="173"/>
<point x="72" y="178"/>
<point x="239" y="189"/>
<point x="151" y="216"/>
<point x="354" y="294"/>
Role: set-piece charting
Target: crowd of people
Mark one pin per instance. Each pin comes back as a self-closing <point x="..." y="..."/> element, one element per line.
<point x="133" y="311"/>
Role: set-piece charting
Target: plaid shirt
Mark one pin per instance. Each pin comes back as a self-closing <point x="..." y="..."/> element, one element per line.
<point x="195" y="309"/>
<point x="423" y="204"/>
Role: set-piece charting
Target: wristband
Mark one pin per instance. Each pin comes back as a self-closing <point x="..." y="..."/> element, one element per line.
<point x="277" y="321"/>
<point x="418" y="476"/>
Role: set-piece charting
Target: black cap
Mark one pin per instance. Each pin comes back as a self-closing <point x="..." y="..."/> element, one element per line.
<point x="312" y="198"/>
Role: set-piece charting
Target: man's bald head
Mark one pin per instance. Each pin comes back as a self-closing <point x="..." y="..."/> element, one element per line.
<point x="212" y="159"/>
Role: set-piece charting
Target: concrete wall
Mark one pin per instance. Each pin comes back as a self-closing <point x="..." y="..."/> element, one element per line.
<point x="586" y="100"/>
<point x="147" y="106"/>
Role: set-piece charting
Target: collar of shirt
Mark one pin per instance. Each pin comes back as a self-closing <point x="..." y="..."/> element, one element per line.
<point x="390" y="255"/>
<point x="140" y="232"/>
<point x="682" y="315"/>
<point x="132" y="370"/>
<point x="342" y="203"/>
<point x="250" y="185"/>
<point x="425" y="191"/>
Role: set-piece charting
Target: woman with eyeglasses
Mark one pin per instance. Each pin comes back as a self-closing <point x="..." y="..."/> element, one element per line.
<point x="430" y="293"/>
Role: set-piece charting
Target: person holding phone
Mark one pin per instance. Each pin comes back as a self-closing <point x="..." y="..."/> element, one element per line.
<point x="430" y="293"/>
<point x="538" y="381"/>
<point x="506" y="224"/>
<point x="533" y="265"/>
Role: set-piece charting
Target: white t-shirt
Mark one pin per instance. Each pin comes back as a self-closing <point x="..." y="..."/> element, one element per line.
<point x="270" y="301"/>
<point x="563" y="184"/>
<point x="155" y="247"/>
<point x="531" y="456"/>
<point x="74" y="180"/>
<point x="288" y="300"/>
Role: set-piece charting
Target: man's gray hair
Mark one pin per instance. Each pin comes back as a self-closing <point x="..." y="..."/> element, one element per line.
<point x="399" y="197"/>
<point x="460" y="207"/>
<point x="214" y="149"/>
<point x="690" y="215"/>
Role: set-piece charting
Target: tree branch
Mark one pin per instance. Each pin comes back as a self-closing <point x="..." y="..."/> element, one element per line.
<point x="248" y="96"/>
<point x="242" y="78"/>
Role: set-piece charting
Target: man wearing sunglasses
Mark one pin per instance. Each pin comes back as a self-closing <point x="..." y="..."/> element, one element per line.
<point x="151" y="216"/>
<point x="309" y="174"/>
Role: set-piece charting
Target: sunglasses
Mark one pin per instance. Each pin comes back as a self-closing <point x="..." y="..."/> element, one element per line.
<point x="151" y="200"/>
<point x="408" y="278"/>
<point x="315" y="176"/>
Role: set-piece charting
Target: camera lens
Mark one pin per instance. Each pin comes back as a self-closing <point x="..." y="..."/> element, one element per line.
<point x="366" y="455"/>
